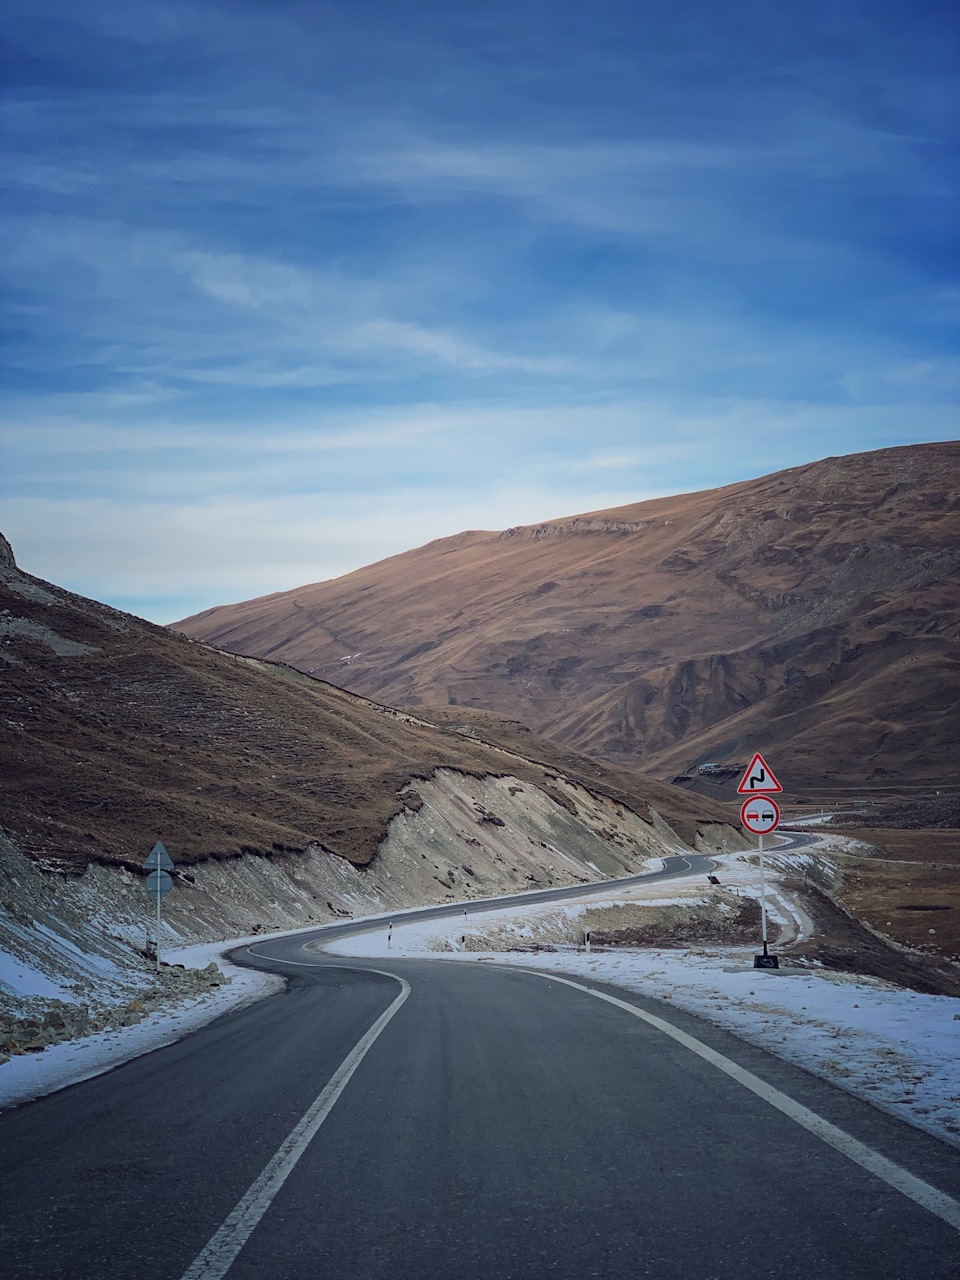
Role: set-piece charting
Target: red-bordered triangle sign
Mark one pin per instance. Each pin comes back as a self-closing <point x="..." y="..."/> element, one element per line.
<point x="758" y="779"/>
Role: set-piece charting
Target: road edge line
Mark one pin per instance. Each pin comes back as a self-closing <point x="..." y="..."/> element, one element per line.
<point x="922" y="1193"/>
<point x="218" y="1254"/>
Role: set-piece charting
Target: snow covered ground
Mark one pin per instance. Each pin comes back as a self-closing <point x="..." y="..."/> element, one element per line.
<point x="34" y="1074"/>
<point x="898" y="1049"/>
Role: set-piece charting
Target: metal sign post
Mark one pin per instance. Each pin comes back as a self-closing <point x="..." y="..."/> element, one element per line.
<point x="763" y="895"/>
<point x="158" y="864"/>
<point x="761" y="815"/>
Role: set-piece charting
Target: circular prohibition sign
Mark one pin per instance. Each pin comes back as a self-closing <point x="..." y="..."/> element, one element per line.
<point x="760" y="815"/>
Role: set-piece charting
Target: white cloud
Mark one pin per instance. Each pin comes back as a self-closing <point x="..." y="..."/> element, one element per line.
<point x="255" y="515"/>
<point x="242" y="320"/>
<point x="210" y="553"/>
<point x="249" y="282"/>
<point x="941" y="375"/>
<point x="64" y="431"/>
<point x="445" y="347"/>
<point x="669" y="189"/>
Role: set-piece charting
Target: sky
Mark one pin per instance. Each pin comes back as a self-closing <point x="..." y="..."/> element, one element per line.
<point x="293" y="286"/>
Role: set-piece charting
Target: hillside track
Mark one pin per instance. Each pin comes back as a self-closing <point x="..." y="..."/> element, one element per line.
<point x="500" y="1125"/>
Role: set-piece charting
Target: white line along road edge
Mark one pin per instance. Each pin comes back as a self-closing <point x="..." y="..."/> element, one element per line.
<point x="906" y="1183"/>
<point x="217" y="1256"/>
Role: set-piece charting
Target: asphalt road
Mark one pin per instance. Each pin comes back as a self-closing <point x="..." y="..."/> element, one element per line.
<point x="500" y="1125"/>
<point x="679" y="865"/>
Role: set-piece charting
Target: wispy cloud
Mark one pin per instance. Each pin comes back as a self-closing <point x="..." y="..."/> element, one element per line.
<point x="250" y="547"/>
<point x="262" y="259"/>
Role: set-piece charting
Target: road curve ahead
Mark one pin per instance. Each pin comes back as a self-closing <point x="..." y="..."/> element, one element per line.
<point x="423" y="1119"/>
<point x="674" y="867"/>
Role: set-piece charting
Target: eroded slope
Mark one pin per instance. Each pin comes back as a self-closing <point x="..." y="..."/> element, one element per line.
<point x="115" y="733"/>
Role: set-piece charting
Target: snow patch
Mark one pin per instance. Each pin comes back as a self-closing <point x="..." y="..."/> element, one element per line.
<point x="898" y="1049"/>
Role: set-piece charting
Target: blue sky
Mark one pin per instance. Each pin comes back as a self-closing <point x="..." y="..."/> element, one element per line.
<point x="293" y="286"/>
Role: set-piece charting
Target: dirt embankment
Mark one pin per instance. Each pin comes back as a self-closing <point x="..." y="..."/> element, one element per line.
<point x="906" y="885"/>
<point x="903" y="883"/>
<point x="115" y="733"/>
<point x="852" y="900"/>
<point x="846" y="943"/>
<point x="725" y="920"/>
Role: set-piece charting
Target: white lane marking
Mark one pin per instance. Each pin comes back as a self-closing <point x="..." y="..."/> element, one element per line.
<point x="906" y="1183"/>
<point x="216" y="1258"/>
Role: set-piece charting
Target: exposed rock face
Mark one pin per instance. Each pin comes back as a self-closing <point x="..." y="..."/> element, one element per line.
<point x="87" y="938"/>
<point x="580" y="524"/>
<point x="814" y="613"/>
<point x="6" y="554"/>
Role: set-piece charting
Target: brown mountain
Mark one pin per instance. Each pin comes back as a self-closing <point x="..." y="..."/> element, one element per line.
<point x="813" y="614"/>
<point x="115" y="732"/>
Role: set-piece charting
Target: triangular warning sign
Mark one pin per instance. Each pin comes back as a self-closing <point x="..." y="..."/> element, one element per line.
<point x="158" y="858"/>
<point x="758" y="779"/>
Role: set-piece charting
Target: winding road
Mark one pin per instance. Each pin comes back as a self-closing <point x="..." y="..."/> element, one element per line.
<point x="464" y="1122"/>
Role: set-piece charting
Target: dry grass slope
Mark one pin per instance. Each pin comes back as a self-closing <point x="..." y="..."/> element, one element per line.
<point x="115" y="732"/>
<point x="815" y="611"/>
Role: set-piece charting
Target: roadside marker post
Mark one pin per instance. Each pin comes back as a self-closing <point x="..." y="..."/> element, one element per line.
<point x="761" y="815"/>
<point x="586" y="939"/>
<point x="158" y="864"/>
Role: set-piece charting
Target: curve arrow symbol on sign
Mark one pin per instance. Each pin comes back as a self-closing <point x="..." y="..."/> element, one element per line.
<point x="758" y="779"/>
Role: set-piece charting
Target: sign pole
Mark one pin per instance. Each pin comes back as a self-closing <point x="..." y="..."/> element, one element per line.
<point x="761" y="817"/>
<point x="158" y="864"/>
<point x="763" y="896"/>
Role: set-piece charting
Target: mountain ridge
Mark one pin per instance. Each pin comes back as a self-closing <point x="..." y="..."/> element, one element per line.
<point x="641" y="634"/>
<point x="116" y="732"/>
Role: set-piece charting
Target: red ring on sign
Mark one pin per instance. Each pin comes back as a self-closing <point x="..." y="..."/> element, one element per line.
<point x="761" y="815"/>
